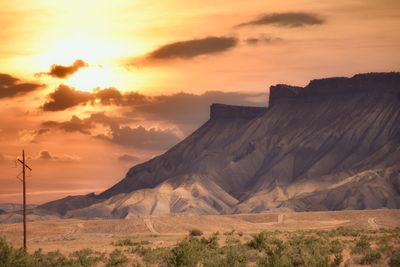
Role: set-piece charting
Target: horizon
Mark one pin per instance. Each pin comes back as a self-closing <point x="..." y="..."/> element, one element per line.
<point x="90" y="91"/>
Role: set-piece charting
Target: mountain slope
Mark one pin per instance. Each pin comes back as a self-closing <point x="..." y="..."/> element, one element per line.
<point x="334" y="144"/>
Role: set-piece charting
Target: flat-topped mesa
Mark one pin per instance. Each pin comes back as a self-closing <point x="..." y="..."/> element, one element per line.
<point x="221" y="111"/>
<point x="360" y="83"/>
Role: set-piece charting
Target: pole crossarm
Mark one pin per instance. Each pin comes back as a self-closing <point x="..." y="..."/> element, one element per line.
<point x="25" y="164"/>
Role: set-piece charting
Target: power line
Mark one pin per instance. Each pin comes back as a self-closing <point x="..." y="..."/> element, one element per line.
<point x="24" y="166"/>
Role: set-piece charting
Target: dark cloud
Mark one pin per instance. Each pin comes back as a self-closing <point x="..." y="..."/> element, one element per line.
<point x="60" y="71"/>
<point x="128" y="158"/>
<point x="193" y="48"/>
<point x="6" y="79"/>
<point x="65" y="97"/>
<point x="118" y="132"/>
<point x="288" y="19"/>
<point x="12" y="87"/>
<point x="111" y="96"/>
<point x="75" y="124"/>
<point x="186" y="111"/>
<point x="46" y="155"/>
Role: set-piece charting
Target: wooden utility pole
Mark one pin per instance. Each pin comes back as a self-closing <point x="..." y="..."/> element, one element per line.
<point x="24" y="192"/>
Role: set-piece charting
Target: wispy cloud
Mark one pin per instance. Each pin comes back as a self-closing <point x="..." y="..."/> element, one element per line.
<point x="288" y="19"/>
<point x="46" y="155"/>
<point x="193" y="48"/>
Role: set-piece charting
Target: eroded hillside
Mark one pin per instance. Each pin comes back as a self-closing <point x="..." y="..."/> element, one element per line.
<point x="332" y="145"/>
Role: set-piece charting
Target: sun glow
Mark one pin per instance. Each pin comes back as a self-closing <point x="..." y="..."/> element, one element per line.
<point x="92" y="77"/>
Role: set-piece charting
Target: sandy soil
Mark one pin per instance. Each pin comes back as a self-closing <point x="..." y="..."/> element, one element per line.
<point x="71" y="234"/>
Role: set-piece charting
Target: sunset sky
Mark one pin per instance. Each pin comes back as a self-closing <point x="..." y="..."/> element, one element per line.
<point x="91" y="88"/>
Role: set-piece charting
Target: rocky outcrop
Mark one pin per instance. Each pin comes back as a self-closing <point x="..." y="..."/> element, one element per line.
<point x="332" y="145"/>
<point x="361" y="83"/>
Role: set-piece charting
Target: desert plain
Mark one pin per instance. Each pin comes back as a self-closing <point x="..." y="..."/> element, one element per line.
<point x="67" y="235"/>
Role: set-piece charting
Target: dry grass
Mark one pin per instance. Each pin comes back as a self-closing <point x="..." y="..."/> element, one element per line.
<point x="69" y="235"/>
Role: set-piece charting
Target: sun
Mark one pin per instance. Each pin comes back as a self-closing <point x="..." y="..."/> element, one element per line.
<point x="92" y="77"/>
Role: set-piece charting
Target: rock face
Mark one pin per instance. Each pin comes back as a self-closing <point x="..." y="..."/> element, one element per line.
<point x="332" y="145"/>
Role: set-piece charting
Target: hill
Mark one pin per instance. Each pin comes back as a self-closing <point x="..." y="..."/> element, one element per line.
<point x="332" y="145"/>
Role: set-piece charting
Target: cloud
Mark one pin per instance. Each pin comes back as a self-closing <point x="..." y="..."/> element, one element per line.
<point x="30" y="135"/>
<point x="111" y="96"/>
<point x="288" y="19"/>
<point x="188" y="111"/>
<point x="65" y="97"/>
<point x="60" y="71"/>
<point x="184" y="111"/>
<point x="117" y="131"/>
<point x="262" y="39"/>
<point x="140" y="137"/>
<point x="12" y="87"/>
<point x="47" y="156"/>
<point x="75" y="124"/>
<point x="193" y="48"/>
<point x="127" y="158"/>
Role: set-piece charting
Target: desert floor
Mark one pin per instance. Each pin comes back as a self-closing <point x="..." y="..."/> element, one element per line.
<point x="69" y="235"/>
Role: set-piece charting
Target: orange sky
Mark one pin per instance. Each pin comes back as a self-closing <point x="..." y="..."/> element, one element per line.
<point x="90" y="88"/>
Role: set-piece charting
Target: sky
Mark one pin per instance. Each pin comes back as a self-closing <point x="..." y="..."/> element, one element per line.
<point x="91" y="88"/>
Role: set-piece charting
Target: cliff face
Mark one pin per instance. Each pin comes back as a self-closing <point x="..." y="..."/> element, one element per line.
<point x="358" y="84"/>
<point x="334" y="144"/>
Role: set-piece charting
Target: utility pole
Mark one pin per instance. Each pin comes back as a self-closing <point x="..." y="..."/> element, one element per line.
<point x="24" y="192"/>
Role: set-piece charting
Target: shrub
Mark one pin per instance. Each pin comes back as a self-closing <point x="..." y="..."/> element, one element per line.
<point x="235" y="256"/>
<point x="136" y="264"/>
<point x="300" y="250"/>
<point x="195" y="232"/>
<point x="86" y="257"/>
<point x="371" y="256"/>
<point x="361" y="246"/>
<point x="259" y="241"/>
<point x="344" y="231"/>
<point x="186" y="253"/>
<point x="394" y="260"/>
<point x="53" y="259"/>
<point x="117" y="258"/>
<point x="211" y="242"/>
<point x="124" y="243"/>
<point x="336" y="247"/>
<point x="229" y="233"/>
<point x="337" y="260"/>
<point x="150" y="255"/>
<point x="13" y="257"/>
